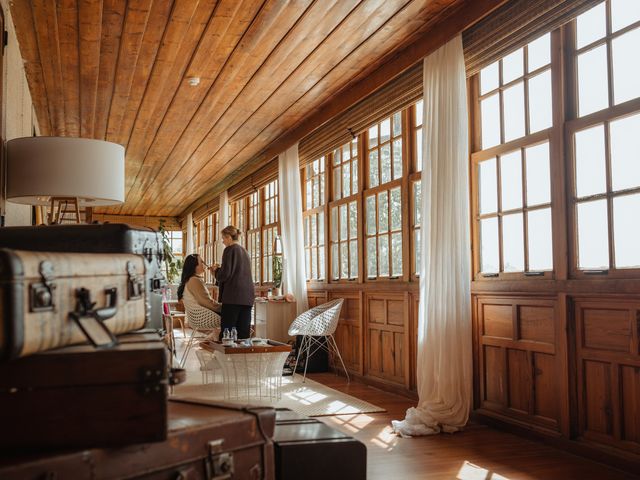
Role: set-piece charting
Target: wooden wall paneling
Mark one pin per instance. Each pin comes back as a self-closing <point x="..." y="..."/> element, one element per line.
<point x="349" y="330"/>
<point x="517" y="360"/>
<point x="608" y="363"/>
<point x="386" y="339"/>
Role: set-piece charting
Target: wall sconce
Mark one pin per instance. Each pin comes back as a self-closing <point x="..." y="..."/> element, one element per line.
<point x="61" y="170"/>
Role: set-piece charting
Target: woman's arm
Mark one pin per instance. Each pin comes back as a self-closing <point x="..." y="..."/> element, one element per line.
<point x="228" y="267"/>
<point x="198" y="289"/>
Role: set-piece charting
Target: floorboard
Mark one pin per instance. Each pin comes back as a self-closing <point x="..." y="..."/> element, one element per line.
<point x="478" y="453"/>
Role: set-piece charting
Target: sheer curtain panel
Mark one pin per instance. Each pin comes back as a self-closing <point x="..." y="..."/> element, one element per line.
<point x="444" y="370"/>
<point x="294" y="278"/>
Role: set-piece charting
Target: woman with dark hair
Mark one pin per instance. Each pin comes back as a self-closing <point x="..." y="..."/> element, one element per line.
<point x="235" y="285"/>
<point x="192" y="283"/>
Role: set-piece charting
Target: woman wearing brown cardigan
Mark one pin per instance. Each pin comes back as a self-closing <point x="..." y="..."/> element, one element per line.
<point x="235" y="284"/>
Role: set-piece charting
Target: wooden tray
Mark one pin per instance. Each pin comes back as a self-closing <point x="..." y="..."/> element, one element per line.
<point x="272" y="346"/>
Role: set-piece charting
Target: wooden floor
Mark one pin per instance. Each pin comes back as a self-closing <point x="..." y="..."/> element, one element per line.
<point x="478" y="453"/>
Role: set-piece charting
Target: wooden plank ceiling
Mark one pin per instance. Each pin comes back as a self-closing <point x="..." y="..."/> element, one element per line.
<point x="117" y="70"/>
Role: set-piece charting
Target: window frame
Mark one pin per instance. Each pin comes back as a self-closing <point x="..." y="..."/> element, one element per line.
<point x="575" y="124"/>
<point x="307" y="213"/>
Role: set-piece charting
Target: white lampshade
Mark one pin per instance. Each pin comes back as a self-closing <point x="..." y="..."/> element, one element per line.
<point x="39" y="168"/>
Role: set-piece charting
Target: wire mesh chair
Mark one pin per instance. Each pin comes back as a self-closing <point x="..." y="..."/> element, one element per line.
<point x="208" y="363"/>
<point x="200" y="319"/>
<point x="318" y="322"/>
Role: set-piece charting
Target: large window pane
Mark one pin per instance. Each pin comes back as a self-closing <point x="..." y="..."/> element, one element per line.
<point x="371" y="215"/>
<point x="623" y="13"/>
<point x="372" y="270"/>
<point x="624" y="136"/>
<point x="626" y="66"/>
<point x="593" y="93"/>
<point x="385" y="164"/>
<point x="591" y="25"/>
<point x="511" y="180"/>
<point x="539" y="238"/>
<point x="512" y="66"/>
<point x="513" y="243"/>
<point x="593" y="240"/>
<point x="489" y="253"/>
<point x="396" y="254"/>
<point x="396" y="209"/>
<point x="343" y="222"/>
<point x="513" y="100"/>
<point x="540" y="111"/>
<point x="383" y="256"/>
<point x="490" y="108"/>
<point x="373" y="168"/>
<point x="538" y="176"/>
<point x="489" y="78"/>
<point x="353" y="220"/>
<point x="383" y="212"/>
<point x="488" y="186"/>
<point x="353" y="252"/>
<point x="590" y="161"/>
<point x="625" y="231"/>
<point x="397" y="158"/>
<point x="539" y="52"/>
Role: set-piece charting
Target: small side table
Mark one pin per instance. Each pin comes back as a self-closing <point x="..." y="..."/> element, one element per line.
<point x="273" y="319"/>
<point x="250" y="372"/>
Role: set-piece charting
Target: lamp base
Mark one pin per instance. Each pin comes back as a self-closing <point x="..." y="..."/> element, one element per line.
<point x="61" y="207"/>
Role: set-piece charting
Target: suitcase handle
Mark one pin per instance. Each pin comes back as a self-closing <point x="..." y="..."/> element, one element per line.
<point x="91" y="320"/>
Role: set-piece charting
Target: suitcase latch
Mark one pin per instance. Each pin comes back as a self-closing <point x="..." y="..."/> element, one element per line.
<point x="219" y="464"/>
<point x="41" y="294"/>
<point x="135" y="284"/>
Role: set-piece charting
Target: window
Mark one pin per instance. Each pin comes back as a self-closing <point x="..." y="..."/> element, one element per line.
<point x="344" y="212"/>
<point x="345" y="170"/>
<point x="415" y="184"/>
<point x="254" y="234"/>
<point x="314" y="218"/>
<point x="606" y="42"/>
<point x="215" y="236"/>
<point x="512" y="180"/>
<point x="385" y="151"/>
<point x="270" y="229"/>
<point x="237" y="218"/>
<point x="515" y="94"/>
<point x="514" y="211"/>
<point x="383" y="199"/>
<point x="417" y="135"/>
<point x="605" y="140"/>
<point x="175" y="239"/>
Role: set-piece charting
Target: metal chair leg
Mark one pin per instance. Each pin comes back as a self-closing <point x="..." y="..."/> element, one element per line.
<point x="334" y="345"/>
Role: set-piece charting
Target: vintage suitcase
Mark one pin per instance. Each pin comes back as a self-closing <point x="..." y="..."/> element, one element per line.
<point x="204" y="442"/>
<point x="82" y="397"/>
<point x="98" y="238"/>
<point x="309" y="449"/>
<point x="50" y="300"/>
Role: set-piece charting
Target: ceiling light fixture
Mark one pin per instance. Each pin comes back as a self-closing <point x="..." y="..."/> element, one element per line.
<point x="193" y="81"/>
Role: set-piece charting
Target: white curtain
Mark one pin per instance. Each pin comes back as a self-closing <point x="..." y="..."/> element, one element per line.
<point x="223" y="219"/>
<point x="444" y="370"/>
<point x="294" y="279"/>
<point x="189" y="246"/>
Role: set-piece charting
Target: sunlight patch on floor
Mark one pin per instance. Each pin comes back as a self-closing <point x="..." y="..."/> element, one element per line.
<point x="353" y="422"/>
<point x="470" y="471"/>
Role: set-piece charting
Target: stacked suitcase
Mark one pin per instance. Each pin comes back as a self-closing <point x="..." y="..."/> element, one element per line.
<point x="83" y="397"/>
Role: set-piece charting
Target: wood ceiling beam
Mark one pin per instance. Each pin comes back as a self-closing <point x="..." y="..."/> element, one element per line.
<point x="466" y="14"/>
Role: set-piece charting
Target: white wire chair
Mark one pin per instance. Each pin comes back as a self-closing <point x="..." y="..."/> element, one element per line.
<point x="318" y="322"/>
<point x="199" y="319"/>
<point x="208" y="363"/>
